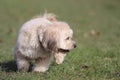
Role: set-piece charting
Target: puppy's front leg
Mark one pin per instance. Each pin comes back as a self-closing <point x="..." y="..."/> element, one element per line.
<point x="59" y="57"/>
<point x="42" y="64"/>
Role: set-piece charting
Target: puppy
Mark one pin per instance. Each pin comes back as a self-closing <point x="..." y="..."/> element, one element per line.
<point x="42" y="39"/>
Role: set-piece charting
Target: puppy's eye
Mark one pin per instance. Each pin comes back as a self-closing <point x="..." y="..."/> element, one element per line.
<point x="68" y="38"/>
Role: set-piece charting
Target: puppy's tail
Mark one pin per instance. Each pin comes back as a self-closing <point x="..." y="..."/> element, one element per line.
<point x="50" y="16"/>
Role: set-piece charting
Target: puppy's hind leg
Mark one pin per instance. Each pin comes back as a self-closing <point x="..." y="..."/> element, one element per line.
<point x="42" y="64"/>
<point x="22" y="62"/>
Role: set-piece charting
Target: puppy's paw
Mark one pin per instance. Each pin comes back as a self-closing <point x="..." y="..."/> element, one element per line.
<point x="59" y="61"/>
<point x="59" y="58"/>
<point x="40" y="69"/>
<point x="23" y="66"/>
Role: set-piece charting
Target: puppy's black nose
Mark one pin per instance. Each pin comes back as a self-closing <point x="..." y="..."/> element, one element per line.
<point x="75" y="46"/>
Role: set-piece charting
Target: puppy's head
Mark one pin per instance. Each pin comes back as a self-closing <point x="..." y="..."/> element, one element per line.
<point x="65" y="43"/>
<point x="57" y="37"/>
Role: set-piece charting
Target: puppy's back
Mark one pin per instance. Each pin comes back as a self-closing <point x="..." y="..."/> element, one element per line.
<point x="28" y="35"/>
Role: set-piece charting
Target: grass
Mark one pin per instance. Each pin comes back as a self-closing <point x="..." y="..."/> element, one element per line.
<point x="97" y="56"/>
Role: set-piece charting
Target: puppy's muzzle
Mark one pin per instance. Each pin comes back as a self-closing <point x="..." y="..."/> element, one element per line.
<point x="63" y="50"/>
<point x="74" y="45"/>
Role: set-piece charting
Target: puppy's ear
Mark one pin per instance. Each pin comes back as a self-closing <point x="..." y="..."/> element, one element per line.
<point x="49" y="39"/>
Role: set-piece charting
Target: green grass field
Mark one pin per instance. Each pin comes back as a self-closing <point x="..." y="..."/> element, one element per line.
<point x="96" y="26"/>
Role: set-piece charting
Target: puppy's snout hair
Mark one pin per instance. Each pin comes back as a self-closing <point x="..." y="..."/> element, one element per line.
<point x="43" y="38"/>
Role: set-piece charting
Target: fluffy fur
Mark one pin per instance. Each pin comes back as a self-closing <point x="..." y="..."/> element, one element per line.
<point x="42" y="39"/>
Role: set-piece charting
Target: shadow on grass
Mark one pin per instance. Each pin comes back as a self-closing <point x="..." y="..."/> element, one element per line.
<point x="8" y="66"/>
<point x="11" y="66"/>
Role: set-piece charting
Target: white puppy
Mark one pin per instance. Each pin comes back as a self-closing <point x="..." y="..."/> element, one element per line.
<point x="41" y="39"/>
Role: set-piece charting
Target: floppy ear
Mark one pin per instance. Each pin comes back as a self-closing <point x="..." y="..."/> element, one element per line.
<point x="48" y="39"/>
